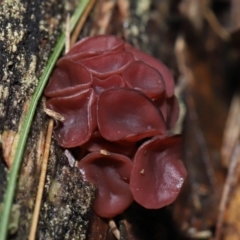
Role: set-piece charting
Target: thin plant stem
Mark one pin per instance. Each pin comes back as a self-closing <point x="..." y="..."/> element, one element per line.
<point x="81" y="22"/>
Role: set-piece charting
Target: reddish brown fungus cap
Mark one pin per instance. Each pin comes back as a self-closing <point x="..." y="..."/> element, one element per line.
<point x="79" y="112"/>
<point x="158" y="173"/>
<point x="68" y="78"/>
<point x="162" y="69"/>
<point x="111" y="174"/>
<point x="162" y="105"/>
<point x="92" y="46"/>
<point x="114" y="97"/>
<point x="145" y="78"/>
<point x="101" y="85"/>
<point x="98" y="143"/>
<point x="106" y="65"/>
<point x="127" y="114"/>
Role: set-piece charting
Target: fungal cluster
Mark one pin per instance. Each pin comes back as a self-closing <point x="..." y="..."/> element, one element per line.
<point x="118" y="103"/>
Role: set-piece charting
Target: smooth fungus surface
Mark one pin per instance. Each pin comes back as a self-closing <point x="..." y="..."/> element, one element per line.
<point x="157" y="172"/>
<point x="69" y="78"/>
<point x="145" y="78"/>
<point x="99" y="85"/>
<point x="107" y="65"/>
<point x="118" y="103"/>
<point x="111" y="173"/>
<point x="92" y="46"/>
<point x="79" y="118"/>
<point x="126" y="114"/>
<point x="162" y="69"/>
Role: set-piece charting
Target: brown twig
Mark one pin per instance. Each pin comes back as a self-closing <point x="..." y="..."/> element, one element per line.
<point x="41" y="182"/>
<point x="231" y="177"/>
<point x="231" y="131"/>
<point x="103" y="16"/>
<point x="215" y="24"/>
<point x="67" y="33"/>
<point x="123" y="8"/>
<point x="81" y="23"/>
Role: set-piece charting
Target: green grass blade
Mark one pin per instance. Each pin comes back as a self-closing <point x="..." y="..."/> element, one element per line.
<point x="13" y="176"/>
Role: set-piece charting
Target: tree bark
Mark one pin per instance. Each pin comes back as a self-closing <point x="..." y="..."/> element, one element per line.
<point x="29" y="31"/>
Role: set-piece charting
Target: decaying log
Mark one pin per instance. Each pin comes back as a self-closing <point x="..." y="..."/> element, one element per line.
<point x="65" y="209"/>
<point x="29" y="30"/>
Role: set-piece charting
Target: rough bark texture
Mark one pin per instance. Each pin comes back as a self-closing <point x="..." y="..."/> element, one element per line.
<point x="29" y="30"/>
<point x="67" y="199"/>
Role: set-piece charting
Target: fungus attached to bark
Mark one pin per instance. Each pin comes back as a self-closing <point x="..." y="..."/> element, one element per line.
<point x="159" y="66"/>
<point x="114" y="98"/>
<point x="101" y="85"/>
<point x="111" y="174"/>
<point x="79" y="118"/>
<point x="106" y="65"/>
<point x="98" y="143"/>
<point x="158" y="173"/>
<point x="68" y="78"/>
<point x="127" y="114"/>
<point x="145" y="78"/>
<point x="92" y="46"/>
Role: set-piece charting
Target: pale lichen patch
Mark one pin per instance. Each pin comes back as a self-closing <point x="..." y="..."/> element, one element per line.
<point x="10" y="34"/>
<point x="9" y="143"/>
<point x="29" y="79"/>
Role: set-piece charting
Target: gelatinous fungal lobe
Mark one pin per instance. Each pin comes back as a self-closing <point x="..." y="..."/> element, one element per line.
<point x="68" y="78"/>
<point x="162" y="69"/>
<point x="111" y="174"/>
<point x="106" y="65"/>
<point x="92" y="46"/>
<point x="98" y="143"/>
<point x="145" y="78"/>
<point x="158" y="173"/>
<point x="162" y="105"/>
<point x="79" y="112"/>
<point x="127" y="114"/>
<point x="114" y="97"/>
<point x="169" y="108"/>
<point x="101" y="85"/>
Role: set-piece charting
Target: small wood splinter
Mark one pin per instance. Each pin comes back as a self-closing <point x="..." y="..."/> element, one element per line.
<point x="71" y="159"/>
<point x="56" y="116"/>
<point x="114" y="229"/>
<point x="104" y="152"/>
